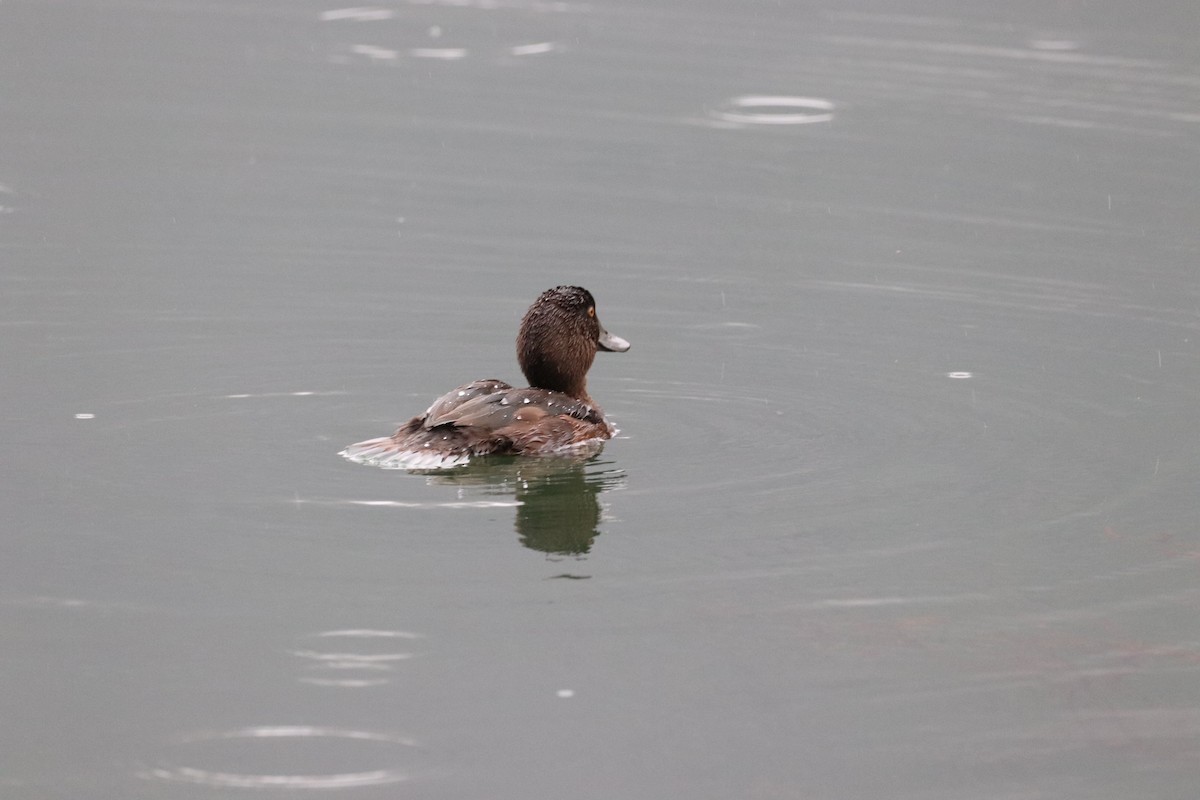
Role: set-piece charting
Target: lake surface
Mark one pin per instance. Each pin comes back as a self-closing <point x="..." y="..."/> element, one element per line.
<point x="904" y="499"/>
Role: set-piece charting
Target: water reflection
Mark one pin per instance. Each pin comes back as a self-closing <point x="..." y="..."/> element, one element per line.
<point x="558" y="509"/>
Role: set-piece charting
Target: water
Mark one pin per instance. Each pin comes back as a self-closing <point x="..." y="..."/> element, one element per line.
<point x="903" y="502"/>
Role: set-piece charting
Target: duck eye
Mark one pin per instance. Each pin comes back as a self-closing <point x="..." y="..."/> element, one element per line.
<point x="591" y="311"/>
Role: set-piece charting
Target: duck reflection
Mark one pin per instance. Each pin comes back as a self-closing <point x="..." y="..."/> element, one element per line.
<point x="560" y="509"/>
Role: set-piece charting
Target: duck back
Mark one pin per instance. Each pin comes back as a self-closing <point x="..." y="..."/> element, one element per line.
<point x="487" y="417"/>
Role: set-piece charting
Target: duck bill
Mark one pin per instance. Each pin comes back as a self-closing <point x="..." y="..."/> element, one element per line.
<point x="611" y="343"/>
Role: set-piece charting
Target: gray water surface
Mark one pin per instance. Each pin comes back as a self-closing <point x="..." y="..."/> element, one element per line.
<point x="903" y="503"/>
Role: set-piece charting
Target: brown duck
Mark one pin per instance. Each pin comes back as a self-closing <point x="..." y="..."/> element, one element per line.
<point x="556" y="345"/>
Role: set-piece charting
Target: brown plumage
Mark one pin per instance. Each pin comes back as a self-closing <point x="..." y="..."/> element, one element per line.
<point x="556" y="345"/>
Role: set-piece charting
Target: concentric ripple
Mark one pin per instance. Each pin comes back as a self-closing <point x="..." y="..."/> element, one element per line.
<point x="836" y="419"/>
<point x="383" y="746"/>
<point x="441" y="30"/>
<point x="363" y="657"/>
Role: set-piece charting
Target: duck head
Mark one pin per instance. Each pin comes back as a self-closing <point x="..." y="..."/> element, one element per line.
<point x="559" y="337"/>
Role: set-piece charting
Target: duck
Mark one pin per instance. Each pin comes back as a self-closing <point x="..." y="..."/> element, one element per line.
<point x="557" y="342"/>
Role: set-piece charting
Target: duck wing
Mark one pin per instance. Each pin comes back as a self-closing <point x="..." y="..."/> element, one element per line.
<point x="447" y="408"/>
<point x="504" y="405"/>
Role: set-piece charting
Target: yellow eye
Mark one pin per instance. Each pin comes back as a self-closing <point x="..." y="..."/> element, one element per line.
<point x="591" y="311"/>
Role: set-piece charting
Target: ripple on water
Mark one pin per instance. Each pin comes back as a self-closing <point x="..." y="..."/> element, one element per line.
<point x="355" y="758"/>
<point x="354" y="658"/>
<point x="763" y="109"/>
<point x="928" y="400"/>
<point x="6" y="189"/>
<point x="451" y="30"/>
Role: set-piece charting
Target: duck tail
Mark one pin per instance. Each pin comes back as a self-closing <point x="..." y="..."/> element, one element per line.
<point x="390" y="452"/>
<point x="414" y="446"/>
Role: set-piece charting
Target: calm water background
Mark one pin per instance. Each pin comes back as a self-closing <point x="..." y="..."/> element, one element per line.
<point x="904" y="503"/>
